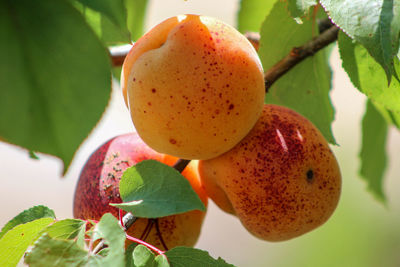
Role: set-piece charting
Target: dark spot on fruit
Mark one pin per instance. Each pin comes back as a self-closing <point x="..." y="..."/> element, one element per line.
<point x="310" y="176"/>
<point x="172" y="141"/>
<point x="231" y="106"/>
<point x="153" y="90"/>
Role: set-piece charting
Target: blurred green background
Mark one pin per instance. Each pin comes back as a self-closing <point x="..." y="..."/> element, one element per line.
<point x="362" y="231"/>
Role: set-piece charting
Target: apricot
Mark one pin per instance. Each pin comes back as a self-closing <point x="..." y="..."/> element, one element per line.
<point x="194" y="87"/>
<point x="98" y="185"/>
<point x="282" y="180"/>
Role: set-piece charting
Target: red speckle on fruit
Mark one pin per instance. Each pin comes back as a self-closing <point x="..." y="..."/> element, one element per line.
<point x="172" y="141"/>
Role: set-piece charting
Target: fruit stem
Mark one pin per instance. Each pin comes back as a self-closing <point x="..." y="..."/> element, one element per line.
<point x="160" y="235"/>
<point x="147" y="229"/>
<point x="181" y="164"/>
<point x="128" y="220"/>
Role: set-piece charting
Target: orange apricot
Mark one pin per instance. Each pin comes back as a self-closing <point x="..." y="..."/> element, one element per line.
<point x="98" y="186"/>
<point x="282" y="180"/>
<point x="194" y="87"/>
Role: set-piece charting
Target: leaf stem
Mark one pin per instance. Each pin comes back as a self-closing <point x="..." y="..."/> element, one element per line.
<point x="158" y="251"/>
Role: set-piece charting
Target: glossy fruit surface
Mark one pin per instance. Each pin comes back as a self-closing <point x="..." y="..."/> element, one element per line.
<point x="282" y="180"/>
<point x="194" y="86"/>
<point x="98" y="186"/>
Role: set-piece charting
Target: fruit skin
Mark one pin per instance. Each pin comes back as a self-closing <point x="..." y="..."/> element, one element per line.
<point x="282" y="180"/>
<point x="98" y="185"/>
<point x="194" y="86"/>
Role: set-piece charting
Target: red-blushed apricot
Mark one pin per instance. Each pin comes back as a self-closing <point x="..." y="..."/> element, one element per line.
<point x="194" y="86"/>
<point x="282" y="180"/>
<point x="98" y="185"/>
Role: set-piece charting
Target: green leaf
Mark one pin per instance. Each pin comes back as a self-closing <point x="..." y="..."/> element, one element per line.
<point x="298" y="8"/>
<point x="252" y="13"/>
<point x="54" y="73"/>
<point x="152" y="189"/>
<point x="367" y="76"/>
<point x="373" y="23"/>
<point x="112" y="35"/>
<point x="129" y="255"/>
<point x="58" y="253"/>
<point x="113" y="9"/>
<point x="109" y="229"/>
<point x="28" y="215"/>
<point x="15" y="242"/>
<point x="391" y="117"/>
<point x="92" y="18"/>
<point x="144" y="257"/>
<point x="136" y="10"/>
<point x="109" y="32"/>
<point x="104" y="252"/>
<point x="161" y="261"/>
<point x="373" y="150"/>
<point x="66" y="229"/>
<point x="305" y="88"/>
<point x="184" y="256"/>
<point x="116" y="71"/>
<point x="49" y="251"/>
<point x="33" y="155"/>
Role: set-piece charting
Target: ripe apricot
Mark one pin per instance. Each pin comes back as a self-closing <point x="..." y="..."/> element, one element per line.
<point x="98" y="185"/>
<point x="282" y="180"/>
<point x="194" y="86"/>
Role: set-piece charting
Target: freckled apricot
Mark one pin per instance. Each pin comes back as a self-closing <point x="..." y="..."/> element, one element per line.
<point x="204" y="81"/>
<point x="282" y="180"/>
<point x="98" y="186"/>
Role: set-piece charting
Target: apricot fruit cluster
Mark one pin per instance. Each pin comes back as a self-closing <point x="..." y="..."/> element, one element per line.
<point x="98" y="186"/>
<point x="194" y="87"/>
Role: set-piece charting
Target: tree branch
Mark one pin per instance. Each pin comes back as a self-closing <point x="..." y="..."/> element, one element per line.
<point x="118" y="54"/>
<point x="297" y="54"/>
